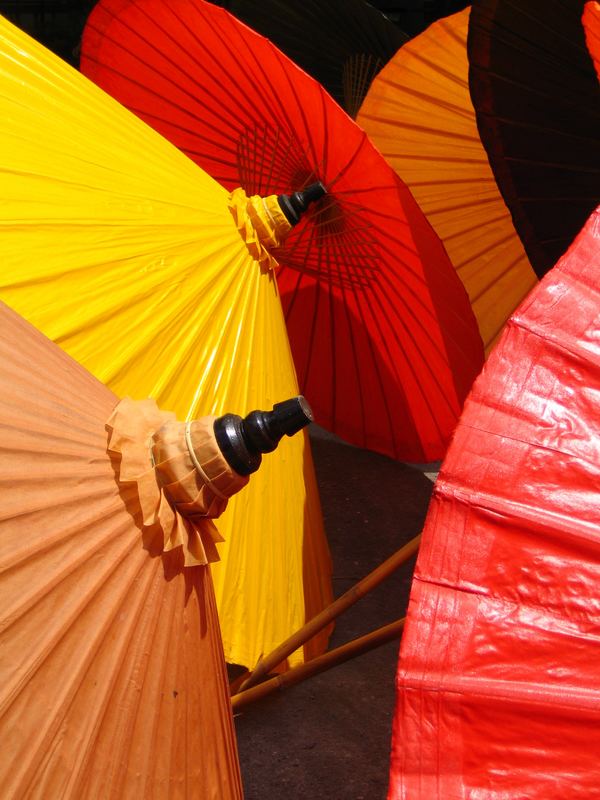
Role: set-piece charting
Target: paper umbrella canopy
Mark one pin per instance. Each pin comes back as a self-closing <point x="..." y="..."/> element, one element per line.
<point x="125" y="253"/>
<point x="383" y="336"/>
<point x="112" y="677"/>
<point x="537" y="99"/>
<point x="419" y="113"/>
<point x="498" y="680"/>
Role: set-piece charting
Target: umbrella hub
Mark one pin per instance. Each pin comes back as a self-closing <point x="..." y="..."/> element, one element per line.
<point x="262" y="225"/>
<point x="242" y="441"/>
<point x="264" y="222"/>
<point x="182" y="479"/>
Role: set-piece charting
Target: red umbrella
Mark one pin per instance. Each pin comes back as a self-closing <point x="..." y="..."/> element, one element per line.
<point x="537" y="100"/>
<point x="591" y="24"/>
<point x="498" y="677"/>
<point x="384" y="339"/>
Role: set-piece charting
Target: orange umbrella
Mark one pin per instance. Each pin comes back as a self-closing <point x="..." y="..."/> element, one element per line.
<point x="591" y="24"/>
<point x="419" y="113"/>
<point x="112" y="670"/>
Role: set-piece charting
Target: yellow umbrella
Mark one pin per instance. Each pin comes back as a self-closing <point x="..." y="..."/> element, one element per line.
<point x="124" y="252"/>
<point x="418" y="112"/>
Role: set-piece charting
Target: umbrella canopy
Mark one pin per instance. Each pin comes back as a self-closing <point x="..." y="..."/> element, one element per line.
<point x="112" y="671"/>
<point x="383" y="336"/>
<point x="498" y="680"/>
<point x="591" y="24"/>
<point x="537" y="100"/>
<point x="418" y="112"/>
<point x="341" y="43"/>
<point x="120" y="249"/>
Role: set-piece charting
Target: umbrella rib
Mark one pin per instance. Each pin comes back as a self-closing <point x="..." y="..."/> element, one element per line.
<point x="46" y="732"/>
<point x="78" y="775"/>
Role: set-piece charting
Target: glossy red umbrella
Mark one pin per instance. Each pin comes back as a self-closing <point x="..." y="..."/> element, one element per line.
<point x="591" y="24"/>
<point x="537" y="100"/>
<point x="498" y="690"/>
<point x="341" y="43"/>
<point x="383" y="336"/>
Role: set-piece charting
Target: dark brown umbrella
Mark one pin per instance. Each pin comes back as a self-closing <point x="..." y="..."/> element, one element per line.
<point x="537" y="100"/>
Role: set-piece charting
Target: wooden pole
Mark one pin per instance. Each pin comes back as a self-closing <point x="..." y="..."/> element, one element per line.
<point x="331" y="659"/>
<point x="360" y="589"/>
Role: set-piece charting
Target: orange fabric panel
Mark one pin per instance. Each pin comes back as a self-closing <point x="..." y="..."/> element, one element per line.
<point x="418" y="112"/>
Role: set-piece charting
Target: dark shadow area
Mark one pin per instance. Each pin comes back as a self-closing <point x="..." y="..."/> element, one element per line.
<point x="57" y="24"/>
<point x="330" y="736"/>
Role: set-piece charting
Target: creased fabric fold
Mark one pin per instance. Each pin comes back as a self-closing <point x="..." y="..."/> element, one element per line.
<point x="178" y="501"/>
<point x="261" y="223"/>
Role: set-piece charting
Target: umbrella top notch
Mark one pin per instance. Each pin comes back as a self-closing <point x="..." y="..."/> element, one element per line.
<point x="242" y="441"/>
<point x="294" y="205"/>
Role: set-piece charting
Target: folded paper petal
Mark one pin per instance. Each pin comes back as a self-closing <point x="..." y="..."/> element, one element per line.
<point x="177" y="499"/>
<point x="261" y="223"/>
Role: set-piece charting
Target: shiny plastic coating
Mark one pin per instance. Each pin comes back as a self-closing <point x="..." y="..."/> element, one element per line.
<point x="112" y="678"/>
<point x="384" y="339"/>
<point x="123" y="251"/>
<point x="591" y="25"/>
<point x="537" y="101"/>
<point x="498" y="692"/>
<point x="418" y="112"/>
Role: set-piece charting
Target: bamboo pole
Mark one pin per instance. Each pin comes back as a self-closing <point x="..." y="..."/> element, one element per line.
<point x="319" y="664"/>
<point x="313" y="626"/>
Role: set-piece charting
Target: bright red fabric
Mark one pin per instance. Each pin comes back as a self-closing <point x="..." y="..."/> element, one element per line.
<point x="499" y="679"/>
<point x="384" y="340"/>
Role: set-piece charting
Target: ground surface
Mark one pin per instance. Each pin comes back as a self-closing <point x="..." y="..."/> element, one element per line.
<point x="330" y="736"/>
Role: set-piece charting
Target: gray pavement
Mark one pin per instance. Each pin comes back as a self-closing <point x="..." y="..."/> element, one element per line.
<point x="330" y="736"/>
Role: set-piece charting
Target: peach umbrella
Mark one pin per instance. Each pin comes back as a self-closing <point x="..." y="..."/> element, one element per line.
<point x="419" y="113"/>
<point x="112" y="676"/>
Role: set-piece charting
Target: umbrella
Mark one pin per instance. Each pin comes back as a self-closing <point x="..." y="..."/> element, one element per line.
<point x="418" y="112"/>
<point x="112" y="671"/>
<point x="383" y="336"/>
<point x="498" y="680"/>
<point x="342" y="43"/>
<point x="125" y="253"/>
<point x="537" y="100"/>
<point x="591" y="24"/>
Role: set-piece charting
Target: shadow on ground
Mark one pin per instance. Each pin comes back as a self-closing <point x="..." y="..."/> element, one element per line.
<point x="330" y="736"/>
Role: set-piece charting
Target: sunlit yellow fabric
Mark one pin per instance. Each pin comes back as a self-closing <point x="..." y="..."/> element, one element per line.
<point x="261" y="223"/>
<point x="124" y="252"/>
<point x="418" y="112"/>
